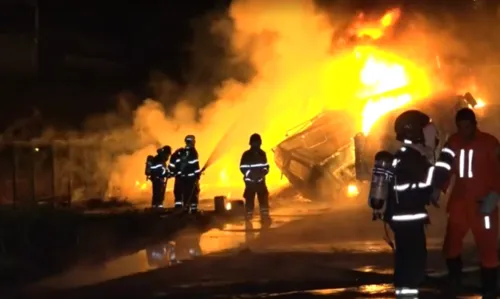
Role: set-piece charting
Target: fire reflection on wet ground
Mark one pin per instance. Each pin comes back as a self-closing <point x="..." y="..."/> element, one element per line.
<point x="373" y="291"/>
<point x="187" y="245"/>
<point x="306" y="238"/>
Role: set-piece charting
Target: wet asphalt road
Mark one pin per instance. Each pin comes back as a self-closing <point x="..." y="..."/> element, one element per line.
<point x="310" y="250"/>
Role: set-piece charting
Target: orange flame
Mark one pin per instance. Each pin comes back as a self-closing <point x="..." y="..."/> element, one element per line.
<point x="376" y="30"/>
<point x="389" y="83"/>
<point x="298" y="78"/>
<point x="142" y="186"/>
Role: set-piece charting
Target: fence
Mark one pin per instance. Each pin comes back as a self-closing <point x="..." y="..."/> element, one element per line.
<point x="54" y="171"/>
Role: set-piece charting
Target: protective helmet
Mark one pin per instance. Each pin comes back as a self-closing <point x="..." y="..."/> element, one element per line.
<point x="409" y="126"/>
<point x="189" y="139"/>
<point x="255" y="140"/>
<point x="167" y="150"/>
<point x="465" y="114"/>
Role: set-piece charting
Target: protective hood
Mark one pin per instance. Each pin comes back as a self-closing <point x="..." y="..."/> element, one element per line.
<point x="431" y="136"/>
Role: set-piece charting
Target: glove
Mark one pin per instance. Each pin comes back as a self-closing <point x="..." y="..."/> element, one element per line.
<point x="435" y="196"/>
<point x="253" y="176"/>
<point x="488" y="203"/>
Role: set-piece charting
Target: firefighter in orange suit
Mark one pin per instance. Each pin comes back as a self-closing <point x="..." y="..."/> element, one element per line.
<point x="473" y="157"/>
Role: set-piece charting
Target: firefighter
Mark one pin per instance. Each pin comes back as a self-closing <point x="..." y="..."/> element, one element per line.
<point x="472" y="157"/>
<point x="254" y="167"/>
<point x="158" y="175"/>
<point x="184" y="165"/>
<point x="401" y="183"/>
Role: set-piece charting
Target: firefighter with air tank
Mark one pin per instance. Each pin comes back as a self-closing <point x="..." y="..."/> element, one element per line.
<point x="400" y="191"/>
<point x="157" y="172"/>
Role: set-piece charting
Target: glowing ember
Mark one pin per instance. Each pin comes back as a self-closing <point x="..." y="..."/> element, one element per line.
<point x="142" y="186"/>
<point x="480" y="104"/>
<point x="352" y="190"/>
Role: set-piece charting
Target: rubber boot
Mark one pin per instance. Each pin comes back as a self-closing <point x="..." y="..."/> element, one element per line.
<point x="454" y="275"/>
<point x="489" y="281"/>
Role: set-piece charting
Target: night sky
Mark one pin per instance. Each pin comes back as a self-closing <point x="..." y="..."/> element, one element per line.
<point x="136" y="35"/>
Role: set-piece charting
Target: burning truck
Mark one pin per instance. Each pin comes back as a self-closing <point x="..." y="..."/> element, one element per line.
<point x="325" y="158"/>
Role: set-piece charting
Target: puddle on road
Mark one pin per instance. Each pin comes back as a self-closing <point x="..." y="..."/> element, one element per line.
<point x="187" y="245"/>
<point x="374" y="291"/>
<point x="365" y="290"/>
<point x="190" y="244"/>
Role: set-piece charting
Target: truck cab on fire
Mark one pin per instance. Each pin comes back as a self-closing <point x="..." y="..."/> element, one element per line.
<point x="325" y="155"/>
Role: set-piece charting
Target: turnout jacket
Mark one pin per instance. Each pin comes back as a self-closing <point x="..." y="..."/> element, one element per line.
<point x="411" y="186"/>
<point x="158" y="167"/>
<point x="184" y="163"/>
<point x="254" y="165"/>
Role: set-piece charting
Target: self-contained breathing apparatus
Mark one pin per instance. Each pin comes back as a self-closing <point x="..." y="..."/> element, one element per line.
<point x="149" y="164"/>
<point x="382" y="174"/>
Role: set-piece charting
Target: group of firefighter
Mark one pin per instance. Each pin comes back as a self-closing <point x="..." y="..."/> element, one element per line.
<point x="184" y="166"/>
<point x="406" y="182"/>
<point x="403" y="185"/>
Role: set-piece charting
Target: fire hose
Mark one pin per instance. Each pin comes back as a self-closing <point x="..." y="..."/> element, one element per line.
<point x="219" y="148"/>
<point x="214" y="156"/>
<point x="387" y="237"/>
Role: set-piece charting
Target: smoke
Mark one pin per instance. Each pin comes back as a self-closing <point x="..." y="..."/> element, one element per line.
<point x="269" y="94"/>
<point x="265" y="67"/>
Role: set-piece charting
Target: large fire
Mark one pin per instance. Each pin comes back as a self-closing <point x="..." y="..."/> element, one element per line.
<point x="304" y="79"/>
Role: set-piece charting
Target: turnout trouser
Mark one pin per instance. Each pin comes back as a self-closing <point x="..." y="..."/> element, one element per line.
<point x="158" y="185"/>
<point x="186" y="192"/>
<point x="259" y="189"/>
<point x="410" y="256"/>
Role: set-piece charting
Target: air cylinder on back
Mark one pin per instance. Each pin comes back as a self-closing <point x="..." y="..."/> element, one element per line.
<point x="381" y="176"/>
<point x="149" y="163"/>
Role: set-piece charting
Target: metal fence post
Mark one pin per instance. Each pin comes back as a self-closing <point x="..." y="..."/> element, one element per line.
<point x="53" y="170"/>
<point x="14" y="175"/>
<point x="70" y="175"/>
<point x="32" y="174"/>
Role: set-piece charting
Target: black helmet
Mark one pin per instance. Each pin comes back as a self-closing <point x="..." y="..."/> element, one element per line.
<point x="255" y="140"/>
<point x="189" y="140"/>
<point x="409" y="126"/>
<point x="167" y="150"/>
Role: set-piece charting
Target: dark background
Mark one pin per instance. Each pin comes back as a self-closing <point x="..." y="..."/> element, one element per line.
<point x="70" y="58"/>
